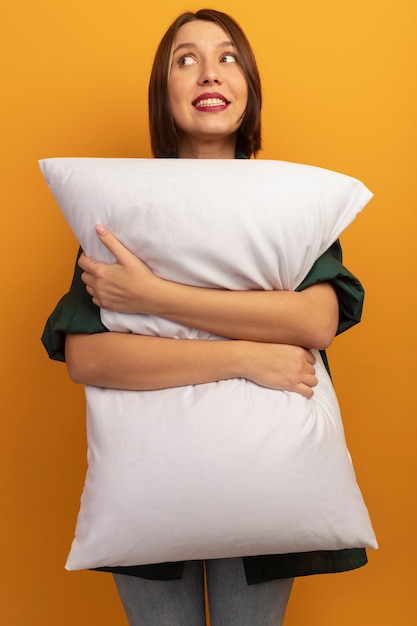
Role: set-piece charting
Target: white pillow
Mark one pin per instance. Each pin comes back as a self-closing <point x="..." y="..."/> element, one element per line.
<point x="222" y="469"/>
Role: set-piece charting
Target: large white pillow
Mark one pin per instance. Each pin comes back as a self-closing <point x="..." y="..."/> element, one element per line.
<point x="229" y="468"/>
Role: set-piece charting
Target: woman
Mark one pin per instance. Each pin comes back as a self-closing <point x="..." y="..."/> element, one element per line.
<point x="205" y="102"/>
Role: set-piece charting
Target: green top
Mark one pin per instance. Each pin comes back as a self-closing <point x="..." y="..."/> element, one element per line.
<point x="76" y="313"/>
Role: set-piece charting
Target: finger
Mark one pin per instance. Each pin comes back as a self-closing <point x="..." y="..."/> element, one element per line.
<point x="86" y="263"/>
<point x="304" y="390"/>
<point x="310" y="357"/>
<point x="113" y="245"/>
<point x="306" y="387"/>
<point x="87" y="279"/>
<point x="312" y="381"/>
<point x="309" y="393"/>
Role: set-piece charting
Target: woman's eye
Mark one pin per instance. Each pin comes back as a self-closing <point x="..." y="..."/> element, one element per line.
<point x="186" y="59"/>
<point x="229" y="58"/>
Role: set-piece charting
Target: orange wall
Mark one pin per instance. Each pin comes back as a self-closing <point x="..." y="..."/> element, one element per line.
<point x="340" y="92"/>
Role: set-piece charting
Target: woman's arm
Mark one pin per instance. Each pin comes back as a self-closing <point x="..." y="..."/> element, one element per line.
<point x="308" y="318"/>
<point x="137" y="362"/>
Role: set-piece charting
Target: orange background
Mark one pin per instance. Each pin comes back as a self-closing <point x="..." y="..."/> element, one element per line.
<point x="340" y="92"/>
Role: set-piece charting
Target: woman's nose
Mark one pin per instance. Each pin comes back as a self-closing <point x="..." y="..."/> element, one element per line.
<point x="209" y="76"/>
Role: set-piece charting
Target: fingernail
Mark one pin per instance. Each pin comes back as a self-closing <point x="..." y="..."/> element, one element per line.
<point x="100" y="230"/>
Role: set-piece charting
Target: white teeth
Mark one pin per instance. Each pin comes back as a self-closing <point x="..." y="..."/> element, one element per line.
<point x="210" y="102"/>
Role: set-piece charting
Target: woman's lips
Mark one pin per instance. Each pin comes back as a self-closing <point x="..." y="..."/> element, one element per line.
<point x="210" y="102"/>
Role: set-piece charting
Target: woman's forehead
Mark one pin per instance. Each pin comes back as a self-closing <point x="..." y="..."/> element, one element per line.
<point x="200" y="32"/>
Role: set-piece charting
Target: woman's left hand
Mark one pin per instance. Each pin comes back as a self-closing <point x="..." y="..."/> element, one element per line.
<point x="125" y="286"/>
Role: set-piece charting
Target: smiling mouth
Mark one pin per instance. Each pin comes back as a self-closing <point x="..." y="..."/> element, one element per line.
<point x="210" y="102"/>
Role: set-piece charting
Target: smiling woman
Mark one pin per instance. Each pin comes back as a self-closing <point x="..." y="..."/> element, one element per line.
<point x="205" y="56"/>
<point x="207" y="91"/>
<point x="205" y="102"/>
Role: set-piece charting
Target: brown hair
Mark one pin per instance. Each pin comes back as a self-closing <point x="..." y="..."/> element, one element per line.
<point x="164" y="138"/>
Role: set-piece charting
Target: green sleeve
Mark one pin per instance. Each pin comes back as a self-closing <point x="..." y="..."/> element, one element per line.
<point x="350" y="293"/>
<point x="74" y="313"/>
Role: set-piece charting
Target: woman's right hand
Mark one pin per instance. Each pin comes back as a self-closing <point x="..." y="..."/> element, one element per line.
<point x="279" y="366"/>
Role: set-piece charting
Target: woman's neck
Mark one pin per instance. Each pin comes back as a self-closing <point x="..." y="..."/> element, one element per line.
<point x="191" y="148"/>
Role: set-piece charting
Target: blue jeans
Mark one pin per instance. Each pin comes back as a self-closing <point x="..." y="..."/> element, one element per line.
<point x="232" y="602"/>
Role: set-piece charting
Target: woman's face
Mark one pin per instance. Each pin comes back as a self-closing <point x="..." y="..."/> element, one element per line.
<point x="207" y="89"/>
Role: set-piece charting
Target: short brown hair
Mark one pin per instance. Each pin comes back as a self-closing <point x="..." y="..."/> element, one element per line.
<point x="164" y="138"/>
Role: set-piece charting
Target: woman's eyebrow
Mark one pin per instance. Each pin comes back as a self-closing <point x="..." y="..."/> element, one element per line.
<point x="222" y="44"/>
